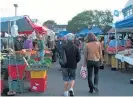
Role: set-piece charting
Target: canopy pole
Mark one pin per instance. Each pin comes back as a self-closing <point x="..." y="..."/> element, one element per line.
<point x="116" y="45"/>
<point x="116" y="41"/>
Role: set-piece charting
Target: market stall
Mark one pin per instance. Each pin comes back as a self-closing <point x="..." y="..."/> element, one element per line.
<point x="126" y="26"/>
<point x="19" y="60"/>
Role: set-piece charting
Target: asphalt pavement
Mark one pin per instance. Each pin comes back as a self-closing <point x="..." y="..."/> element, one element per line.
<point x="111" y="83"/>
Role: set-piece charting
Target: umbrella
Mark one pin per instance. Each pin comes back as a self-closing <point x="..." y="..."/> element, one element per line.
<point x="84" y="32"/>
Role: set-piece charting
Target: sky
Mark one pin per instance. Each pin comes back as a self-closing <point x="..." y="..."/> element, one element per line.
<point x="61" y="11"/>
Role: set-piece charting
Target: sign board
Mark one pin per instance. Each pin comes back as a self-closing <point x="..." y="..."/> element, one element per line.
<point x="116" y="13"/>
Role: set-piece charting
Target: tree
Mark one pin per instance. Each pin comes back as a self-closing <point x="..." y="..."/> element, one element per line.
<point x="89" y="18"/>
<point x="50" y="24"/>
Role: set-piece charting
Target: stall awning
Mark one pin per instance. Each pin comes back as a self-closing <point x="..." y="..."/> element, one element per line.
<point x="96" y="30"/>
<point x="127" y="22"/>
<point x="84" y="32"/>
<point x="24" y="23"/>
<point x="40" y="29"/>
<point x="62" y="33"/>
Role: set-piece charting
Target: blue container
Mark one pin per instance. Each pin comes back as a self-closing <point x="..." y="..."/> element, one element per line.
<point x="17" y="86"/>
<point x="13" y="62"/>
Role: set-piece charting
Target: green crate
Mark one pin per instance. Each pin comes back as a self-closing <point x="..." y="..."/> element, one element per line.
<point x="37" y="67"/>
<point x="13" y="62"/>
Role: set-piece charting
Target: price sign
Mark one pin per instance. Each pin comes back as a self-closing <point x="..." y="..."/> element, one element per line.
<point x="116" y="13"/>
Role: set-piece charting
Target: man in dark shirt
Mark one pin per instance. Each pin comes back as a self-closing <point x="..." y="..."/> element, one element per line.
<point x="69" y="69"/>
<point x="18" y="43"/>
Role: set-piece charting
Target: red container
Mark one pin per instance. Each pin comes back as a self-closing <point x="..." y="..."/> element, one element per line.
<point x="38" y="84"/>
<point x="12" y="71"/>
<point x="1" y="86"/>
<point x="27" y="75"/>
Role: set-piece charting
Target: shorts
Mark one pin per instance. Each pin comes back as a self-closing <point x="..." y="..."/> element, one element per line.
<point x="68" y="74"/>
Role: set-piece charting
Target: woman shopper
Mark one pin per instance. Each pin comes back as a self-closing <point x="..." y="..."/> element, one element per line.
<point x="92" y="56"/>
<point x="69" y="69"/>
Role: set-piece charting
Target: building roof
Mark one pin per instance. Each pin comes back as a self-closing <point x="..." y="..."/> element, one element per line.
<point x="61" y="26"/>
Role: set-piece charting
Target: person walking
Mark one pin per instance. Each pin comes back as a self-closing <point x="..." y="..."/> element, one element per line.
<point x="69" y="69"/>
<point x="41" y="47"/>
<point x="92" y="57"/>
<point x="78" y="43"/>
<point x="102" y="45"/>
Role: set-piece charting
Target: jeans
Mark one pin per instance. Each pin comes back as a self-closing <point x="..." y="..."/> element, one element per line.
<point x="54" y="54"/>
<point x="90" y="66"/>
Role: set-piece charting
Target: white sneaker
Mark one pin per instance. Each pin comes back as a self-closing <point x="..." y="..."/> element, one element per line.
<point x="65" y="93"/>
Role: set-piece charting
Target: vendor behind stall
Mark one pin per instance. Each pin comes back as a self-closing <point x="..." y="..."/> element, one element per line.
<point x="18" y="43"/>
<point x="28" y="43"/>
<point x="40" y="43"/>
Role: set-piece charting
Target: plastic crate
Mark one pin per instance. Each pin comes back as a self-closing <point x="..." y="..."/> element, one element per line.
<point x="1" y="86"/>
<point x="13" y="61"/>
<point x="38" y="74"/>
<point x="12" y="71"/>
<point x="17" y="86"/>
<point x="37" y="67"/>
<point x="113" y="62"/>
<point x="38" y="84"/>
<point x="27" y="75"/>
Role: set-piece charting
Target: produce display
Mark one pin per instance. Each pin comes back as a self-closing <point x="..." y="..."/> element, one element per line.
<point x="39" y="65"/>
<point x="126" y="52"/>
<point x="112" y="50"/>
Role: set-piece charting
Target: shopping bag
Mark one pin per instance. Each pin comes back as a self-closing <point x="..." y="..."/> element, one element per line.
<point x="83" y="72"/>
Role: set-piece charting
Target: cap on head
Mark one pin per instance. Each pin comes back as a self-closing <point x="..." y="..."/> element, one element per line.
<point x="70" y="36"/>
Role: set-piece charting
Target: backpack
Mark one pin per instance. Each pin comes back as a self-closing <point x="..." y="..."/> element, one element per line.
<point x="63" y="59"/>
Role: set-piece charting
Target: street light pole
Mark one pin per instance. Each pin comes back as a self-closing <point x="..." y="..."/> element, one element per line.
<point x="15" y="5"/>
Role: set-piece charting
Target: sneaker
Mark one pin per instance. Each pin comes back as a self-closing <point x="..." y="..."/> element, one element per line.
<point x="91" y="91"/>
<point x="71" y="93"/>
<point x="96" y="89"/>
<point x="65" y="93"/>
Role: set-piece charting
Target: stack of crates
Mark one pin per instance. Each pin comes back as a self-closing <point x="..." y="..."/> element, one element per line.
<point x="38" y="81"/>
<point x="114" y="65"/>
<point x="16" y="85"/>
<point x="27" y="75"/>
<point x="16" y="70"/>
<point x="1" y="86"/>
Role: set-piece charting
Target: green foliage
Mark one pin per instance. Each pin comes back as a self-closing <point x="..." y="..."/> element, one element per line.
<point x="89" y="18"/>
<point x="31" y="61"/>
<point x="46" y="62"/>
<point x="50" y="24"/>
